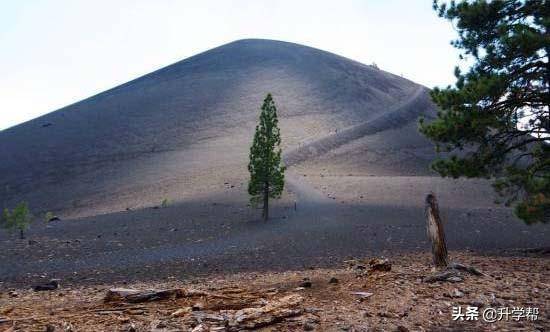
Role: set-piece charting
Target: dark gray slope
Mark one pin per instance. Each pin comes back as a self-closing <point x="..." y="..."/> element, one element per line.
<point x="182" y="240"/>
<point x="358" y="173"/>
<point x="173" y="104"/>
<point x="206" y="101"/>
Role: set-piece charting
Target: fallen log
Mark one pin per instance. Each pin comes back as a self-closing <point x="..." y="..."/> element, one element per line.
<point x="138" y="296"/>
<point x="272" y="312"/>
<point x="251" y="318"/>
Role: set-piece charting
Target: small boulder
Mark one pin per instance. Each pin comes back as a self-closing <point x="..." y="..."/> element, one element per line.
<point x="197" y="306"/>
<point x="333" y="280"/>
<point x="51" y="285"/>
<point x="380" y="264"/>
<point x="309" y="327"/>
<point x="457" y="293"/>
<point x="306" y="284"/>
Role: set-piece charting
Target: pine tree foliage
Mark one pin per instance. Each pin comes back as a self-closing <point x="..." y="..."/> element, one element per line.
<point x="495" y="121"/>
<point x="265" y="166"/>
<point x="17" y="219"/>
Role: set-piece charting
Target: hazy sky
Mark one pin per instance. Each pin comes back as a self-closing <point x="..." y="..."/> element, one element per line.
<point x="54" y="53"/>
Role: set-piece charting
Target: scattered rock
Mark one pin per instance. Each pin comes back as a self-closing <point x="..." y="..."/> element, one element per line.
<point x="181" y="312"/>
<point x="333" y="280"/>
<point x="455" y="293"/>
<point x="13" y="293"/>
<point x="362" y="295"/>
<point x="402" y="328"/>
<point x="306" y="283"/>
<point x="201" y="328"/>
<point x="380" y="264"/>
<point x="54" y="218"/>
<point x="67" y="327"/>
<point x="309" y="327"/>
<point x="387" y="314"/>
<point x="31" y="242"/>
<point x="199" y="306"/>
<point x="479" y="302"/>
<point x="51" y="285"/>
<point x="50" y="328"/>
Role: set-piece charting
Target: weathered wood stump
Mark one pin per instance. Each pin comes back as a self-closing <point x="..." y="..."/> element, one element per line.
<point x="435" y="231"/>
<point x="449" y="272"/>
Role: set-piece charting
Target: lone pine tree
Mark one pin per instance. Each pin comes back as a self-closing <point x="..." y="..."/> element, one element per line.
<point x="495" y="121"/>
<point x="17" y="219"/>
<point x="265" y="166"/>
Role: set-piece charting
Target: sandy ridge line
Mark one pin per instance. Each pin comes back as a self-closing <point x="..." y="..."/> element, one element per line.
<point x="400" y="116"/>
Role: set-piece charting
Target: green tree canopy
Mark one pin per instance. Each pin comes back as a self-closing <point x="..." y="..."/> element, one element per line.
<point x="494" y="122"/>
<point x="19" y="218"/>
<point x="265" y="167"/>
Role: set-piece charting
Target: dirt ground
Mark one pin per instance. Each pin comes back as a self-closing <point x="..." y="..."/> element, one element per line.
<point x="357" y="299"/>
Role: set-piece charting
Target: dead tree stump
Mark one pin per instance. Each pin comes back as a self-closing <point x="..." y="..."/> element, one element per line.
<point x="435" y="232"/>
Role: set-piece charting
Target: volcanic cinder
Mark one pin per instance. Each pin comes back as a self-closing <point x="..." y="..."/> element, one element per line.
<point x="179" y="127"/>
<point x="358" y="170"/>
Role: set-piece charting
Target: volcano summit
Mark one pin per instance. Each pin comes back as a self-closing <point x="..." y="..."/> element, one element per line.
<point x="358" y="172"/>
<point x="149" y="138"/>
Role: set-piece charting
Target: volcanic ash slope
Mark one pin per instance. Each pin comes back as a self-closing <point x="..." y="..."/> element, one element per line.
<point x="183" y="132"/>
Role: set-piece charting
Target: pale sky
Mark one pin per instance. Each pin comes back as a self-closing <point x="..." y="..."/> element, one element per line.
<point x="56" y="52"/>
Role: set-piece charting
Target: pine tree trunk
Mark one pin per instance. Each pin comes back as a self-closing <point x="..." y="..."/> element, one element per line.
<point x="21" y="235"/>
<point x="266" y="201"/>
<point x="436" y="232"/>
